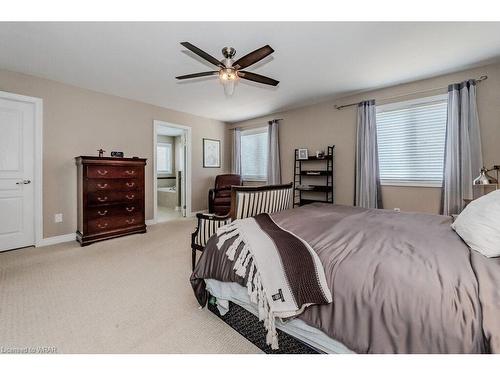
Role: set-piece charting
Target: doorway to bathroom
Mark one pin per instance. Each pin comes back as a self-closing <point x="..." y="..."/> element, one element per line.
<point x="171" y="171"/>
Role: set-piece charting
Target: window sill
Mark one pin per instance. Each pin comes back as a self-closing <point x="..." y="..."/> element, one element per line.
<point x="254" y="180"/>
<point x="411" y="184"/>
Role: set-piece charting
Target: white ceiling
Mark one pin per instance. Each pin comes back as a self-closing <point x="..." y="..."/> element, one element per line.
<point x="313" y="61"/>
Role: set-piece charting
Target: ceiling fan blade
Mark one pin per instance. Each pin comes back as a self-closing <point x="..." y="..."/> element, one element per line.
<point x="253" y="57"/>
<point x="195" y="75"/>
<point x="257" y="78"/>
<point x="202" y="54"/>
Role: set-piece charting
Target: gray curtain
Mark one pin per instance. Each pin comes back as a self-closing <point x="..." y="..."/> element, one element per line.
<point x="367" y="193"/>
<point x="236" y="152"/>
<point x="463" y="155"/>
<point x="273" y="154"/>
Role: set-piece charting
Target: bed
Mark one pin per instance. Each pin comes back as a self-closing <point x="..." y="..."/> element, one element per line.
<point x="400" y="282"/>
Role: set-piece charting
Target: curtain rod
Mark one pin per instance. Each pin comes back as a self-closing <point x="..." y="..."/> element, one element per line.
<point x="234" y="126"/>
<point x="482" y="78"/>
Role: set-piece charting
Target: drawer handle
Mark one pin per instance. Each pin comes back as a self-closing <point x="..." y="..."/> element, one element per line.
<point x="102" y="226"/>
<point x="102" y="186"/>
<point x="131" y="196"/>
<point x="129" y="221"/>
<point x="102" y="199"/>
<point x="103" y="212"/>
<point x="102" y="172"/>
<point x="130" y="209"/>
<point x="130" y="184"/>
<point x="130" y="171"/>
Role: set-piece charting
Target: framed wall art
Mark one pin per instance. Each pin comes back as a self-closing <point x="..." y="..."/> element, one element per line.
<point x="211" y="153"/>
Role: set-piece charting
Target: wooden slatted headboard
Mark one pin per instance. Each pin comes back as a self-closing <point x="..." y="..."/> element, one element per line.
<point x="247" y="201"/>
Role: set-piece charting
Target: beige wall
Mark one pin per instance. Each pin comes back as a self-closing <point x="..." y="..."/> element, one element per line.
<point x="78" y="122"/>
<point x="316" y="126"/>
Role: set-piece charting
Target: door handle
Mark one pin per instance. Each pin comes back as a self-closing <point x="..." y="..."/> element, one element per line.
<point x="23" y="182"/>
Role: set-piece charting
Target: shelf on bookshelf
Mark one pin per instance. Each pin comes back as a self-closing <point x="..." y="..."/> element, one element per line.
<point x="315" y="158"/>
<point x="313" y="173"/>
<point x="320" y="188"/>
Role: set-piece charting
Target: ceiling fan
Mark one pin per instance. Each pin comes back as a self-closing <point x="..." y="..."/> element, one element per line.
<point x="229" y="71"/>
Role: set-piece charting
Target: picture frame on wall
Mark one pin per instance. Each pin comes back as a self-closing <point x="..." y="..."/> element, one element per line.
<point x="303" y="154"/>
<point x="211" y="153"/>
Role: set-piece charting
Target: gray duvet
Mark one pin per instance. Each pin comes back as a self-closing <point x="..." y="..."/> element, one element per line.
<point x="401" y="282"/>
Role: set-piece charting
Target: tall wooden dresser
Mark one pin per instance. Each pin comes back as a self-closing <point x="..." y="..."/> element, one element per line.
<point x="110" y="198"/>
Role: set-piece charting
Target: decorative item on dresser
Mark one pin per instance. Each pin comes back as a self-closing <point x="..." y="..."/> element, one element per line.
<point x="319" y="186"/>
<point x="110" y="197"/>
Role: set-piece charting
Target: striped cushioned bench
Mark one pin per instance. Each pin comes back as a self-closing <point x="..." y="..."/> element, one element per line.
<point x="246" y="201"/>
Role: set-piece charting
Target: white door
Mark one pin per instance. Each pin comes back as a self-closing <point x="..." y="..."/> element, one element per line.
<point x="17" y="144"/>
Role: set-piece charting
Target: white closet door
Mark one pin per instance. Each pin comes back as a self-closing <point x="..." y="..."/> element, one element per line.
<point x="17" y="122"/>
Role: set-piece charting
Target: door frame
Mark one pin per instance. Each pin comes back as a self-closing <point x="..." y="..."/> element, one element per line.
<point x="38" y="160"/>
<point x="157" y="124"/>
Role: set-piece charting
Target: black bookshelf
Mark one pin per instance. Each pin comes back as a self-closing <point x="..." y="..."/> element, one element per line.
<point x="318" y="172"/>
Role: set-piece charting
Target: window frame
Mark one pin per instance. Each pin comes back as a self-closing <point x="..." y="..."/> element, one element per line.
<point x="407" y="104"/>
<point x="170" y="151"/>
<point x="252" y="131"/>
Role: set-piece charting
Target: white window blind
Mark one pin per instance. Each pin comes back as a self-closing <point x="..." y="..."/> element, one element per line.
<point x="164" y="158"/>
<point x="254" y="154"/>
<point x="411" y="141"/>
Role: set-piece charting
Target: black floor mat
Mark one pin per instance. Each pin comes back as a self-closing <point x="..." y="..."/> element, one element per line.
<point x="248" y="325"/>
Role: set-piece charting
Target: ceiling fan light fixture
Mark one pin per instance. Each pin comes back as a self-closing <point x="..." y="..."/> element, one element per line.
<point x="228" y="77"/>
<point x="230" y="71"/>
<point x="228" y="87"/>
<point x="228" y="74"/>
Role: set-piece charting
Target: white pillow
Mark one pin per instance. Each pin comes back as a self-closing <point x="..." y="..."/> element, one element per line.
<point x="479" y="224"/>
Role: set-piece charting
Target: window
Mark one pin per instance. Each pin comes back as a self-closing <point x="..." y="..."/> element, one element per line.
<point x="411" y="139"/>
<point x="254" y="154"/>
<point x="164" y="158"/>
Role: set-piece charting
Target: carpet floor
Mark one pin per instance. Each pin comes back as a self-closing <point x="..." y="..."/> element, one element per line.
<point x="127" y="295"/>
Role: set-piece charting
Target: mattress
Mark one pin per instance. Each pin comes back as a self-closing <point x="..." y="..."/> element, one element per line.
<point x="231" y="291"/>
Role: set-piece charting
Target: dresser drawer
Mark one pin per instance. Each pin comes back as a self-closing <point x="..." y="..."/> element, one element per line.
<point x="112" y="171"/>
<point x="116" y="221"/>
<point x="105" y="212"/>
<point x="107" y="197"/>
<point x="105" y="185"/>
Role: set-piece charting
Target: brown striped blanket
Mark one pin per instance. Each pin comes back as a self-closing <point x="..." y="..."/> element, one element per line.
<point x="283" y="273"/>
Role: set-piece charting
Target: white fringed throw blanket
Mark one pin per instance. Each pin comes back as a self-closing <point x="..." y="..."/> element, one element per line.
<point x="284" y="275"/>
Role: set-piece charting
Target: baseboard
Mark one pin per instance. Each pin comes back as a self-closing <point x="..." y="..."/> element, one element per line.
<point x="56" y="239"/>
<point x="192" y="214"/>
<point x="72" y="236"/>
